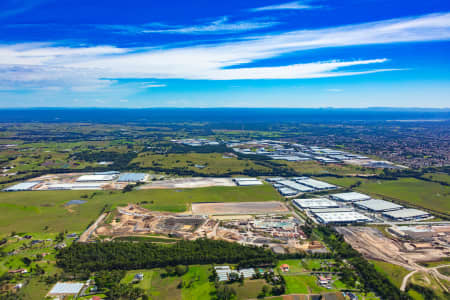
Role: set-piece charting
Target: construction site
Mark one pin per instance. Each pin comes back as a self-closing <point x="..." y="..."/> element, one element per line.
<point x="134" y="220"/>
<point x="407" y="247"/>
<point x="281" y="232"/>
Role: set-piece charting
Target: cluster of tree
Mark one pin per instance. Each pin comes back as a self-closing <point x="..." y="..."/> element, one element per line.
<point x="120" y="160"/>
<point x="107" y="279"/>
<point x="125" y="292"/>
<point x="141" y="255"/>
<point x="368" y="276"/>
<point x="178" y="270"/>
<point x="180" y="148"/>
<point x="224" y="292"/>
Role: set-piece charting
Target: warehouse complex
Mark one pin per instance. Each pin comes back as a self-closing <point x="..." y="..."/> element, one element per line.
<point x="71" y="181"/>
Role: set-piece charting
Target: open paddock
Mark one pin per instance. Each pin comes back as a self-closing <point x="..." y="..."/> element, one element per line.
<point x="237" y="208"/>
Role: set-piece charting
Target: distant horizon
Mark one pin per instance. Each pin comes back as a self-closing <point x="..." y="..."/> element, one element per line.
<point x="217" y="114"/>
<point x="230" y="107"/>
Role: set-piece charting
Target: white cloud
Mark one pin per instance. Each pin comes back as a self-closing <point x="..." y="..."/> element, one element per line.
<point x="216" y="27"/>
<point x="154" y="85"/>
<point x="220" y="26"/>
<point x="335" y="90"/>
<point x="295" y="5"/>
<point x="123" y="100"/>
<point x="85" y="68"/>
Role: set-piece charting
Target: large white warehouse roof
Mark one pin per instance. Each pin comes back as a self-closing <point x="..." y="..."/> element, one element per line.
<point x="378" y="205"/>
<point x="295" y="186"/>
<point x="342" y="217"/>
<point x="350" y="197"/>
<point x="23" y="186"/>
<point x="406" y="214"/>
<point x="316" y="184"/>
<point x="85" y="178"/>
<point x="314" y="203"/>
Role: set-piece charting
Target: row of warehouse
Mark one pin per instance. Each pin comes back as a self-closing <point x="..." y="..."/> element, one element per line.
<point x="294" y="186"/>
<point x="94" y="181"/>
<point x="340" y="208"/>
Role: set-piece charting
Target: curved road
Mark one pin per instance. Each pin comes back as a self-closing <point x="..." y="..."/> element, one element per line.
<point x="434" y="271"/>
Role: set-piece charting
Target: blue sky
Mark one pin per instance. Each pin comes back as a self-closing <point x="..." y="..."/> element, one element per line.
<point x="265" y="53"/>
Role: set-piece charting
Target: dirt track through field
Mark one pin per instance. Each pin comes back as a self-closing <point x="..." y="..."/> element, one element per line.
<point x="236" y="208"/>
<point x="85" y="235"/>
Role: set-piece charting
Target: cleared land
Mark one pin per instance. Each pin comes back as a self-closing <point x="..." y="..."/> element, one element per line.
<point x="33" y="211"/>
<point x="239" y="208"/>
<point x="194" y="182"/>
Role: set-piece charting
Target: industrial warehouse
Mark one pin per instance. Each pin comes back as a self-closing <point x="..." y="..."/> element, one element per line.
<point x="247" y="181"/>
<point x="342" y="217"/>
<point x="406" y="214"/>
<point x="314" y="203"/>
<point x="377" y="205"/>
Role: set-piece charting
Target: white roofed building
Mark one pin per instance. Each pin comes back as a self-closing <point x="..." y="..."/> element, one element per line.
<point x="349" y="197"/>
<point x="314" y="203"/>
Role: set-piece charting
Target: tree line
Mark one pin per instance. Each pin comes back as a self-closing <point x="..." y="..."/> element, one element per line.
<point x="94" y="257"/>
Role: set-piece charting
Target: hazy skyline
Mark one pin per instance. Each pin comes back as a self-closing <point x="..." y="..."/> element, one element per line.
<point x="205" y="54"/>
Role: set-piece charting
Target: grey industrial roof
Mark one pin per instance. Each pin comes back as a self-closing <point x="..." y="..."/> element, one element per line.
<point x="131" y="177"/>
<point x="315" y="203"/>
<point x="295" y="186"/>
<point x="342" y="217"/>
<point x="378" y="205"/>
<point x="406" y="213"/>
<point x="333" y="209"/>
<point x="247" y="273"/>
<point x="22" y="186"/>
<point x="317" y="184"/>
<point x="350" y="196"/>
<point x="66" y="288"/>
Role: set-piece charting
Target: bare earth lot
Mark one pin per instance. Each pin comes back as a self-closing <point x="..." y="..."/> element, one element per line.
<point x="182" y="183"/>
<point x="239" y="208"/>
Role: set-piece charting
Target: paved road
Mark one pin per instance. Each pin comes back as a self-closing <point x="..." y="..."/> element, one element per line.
<point x="411" y="223"/>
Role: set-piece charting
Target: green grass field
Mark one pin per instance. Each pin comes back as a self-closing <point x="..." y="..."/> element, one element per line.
<point x="193" y="285"/>
<point x="214" y="162"/>
<point x="33" y="211"/>
<point x="316" y="168"/>
<point x="408" y="190"/>
<point x="296" y="285"/>
<point x="393" y="272"/>
<point x="196" y="283"/>
<point x="442" y="177"/>
<point x="144" y="284"/>
<point x="249" y="290"/>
